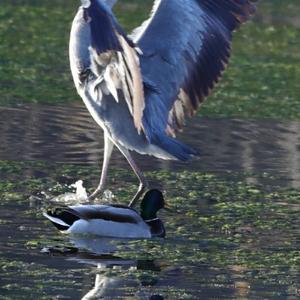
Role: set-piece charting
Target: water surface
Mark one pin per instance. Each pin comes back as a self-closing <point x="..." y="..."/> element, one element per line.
<point x="67" y="134"/>
<point x="233" y="228"/>
<point x="232" y="232"/>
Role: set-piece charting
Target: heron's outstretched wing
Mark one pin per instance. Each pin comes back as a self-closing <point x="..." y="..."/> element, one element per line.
<point x="186" y="46"/>
<point x="114" y="59"/>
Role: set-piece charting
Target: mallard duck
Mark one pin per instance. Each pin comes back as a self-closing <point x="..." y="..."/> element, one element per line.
<point x="112" y="220"/>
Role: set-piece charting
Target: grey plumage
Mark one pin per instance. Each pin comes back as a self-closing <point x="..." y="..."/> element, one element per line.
<point x="139" y="89"/>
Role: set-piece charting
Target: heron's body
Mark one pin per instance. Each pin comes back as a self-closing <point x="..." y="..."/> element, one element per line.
<point x="139" y="90"/>
<point x="114" y="117"/>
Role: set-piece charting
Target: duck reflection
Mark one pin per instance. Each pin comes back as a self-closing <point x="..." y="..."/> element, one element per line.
<point x="109" y="288"/>
<point x="115" y="277"/>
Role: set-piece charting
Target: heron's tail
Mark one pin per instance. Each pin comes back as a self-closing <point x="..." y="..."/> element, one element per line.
<point x="177" y="149"/>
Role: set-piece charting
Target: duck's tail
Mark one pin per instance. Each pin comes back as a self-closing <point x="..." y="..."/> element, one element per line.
<point x="61" y="218"/>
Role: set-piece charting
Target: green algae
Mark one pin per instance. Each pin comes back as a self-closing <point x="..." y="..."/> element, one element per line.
<point x="218" y="222"/>
<point x="261" y="81"/>
<point x="235" y="237"/>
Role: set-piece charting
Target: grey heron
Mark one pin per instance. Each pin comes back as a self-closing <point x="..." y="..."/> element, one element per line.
<point x="139" y="88"/>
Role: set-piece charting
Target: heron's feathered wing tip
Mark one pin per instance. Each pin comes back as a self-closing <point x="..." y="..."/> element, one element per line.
<point x="248" y="8"/>
<point x="199" y="46"/>
<point x="223" y="17"/>
<point x="224" y="10"/>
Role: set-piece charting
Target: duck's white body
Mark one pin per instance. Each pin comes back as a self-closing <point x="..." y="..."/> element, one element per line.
<point x="101" y="220"/>
<point x="111" y="228"/>
<point x="112" y="220"/>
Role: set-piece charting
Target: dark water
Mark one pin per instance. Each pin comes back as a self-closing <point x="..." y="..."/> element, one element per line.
<point x="67" y="134"/>
<point x="232" y="232"/>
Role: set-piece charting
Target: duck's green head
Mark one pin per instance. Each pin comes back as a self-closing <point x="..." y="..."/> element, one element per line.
<point x="152" y="202"/>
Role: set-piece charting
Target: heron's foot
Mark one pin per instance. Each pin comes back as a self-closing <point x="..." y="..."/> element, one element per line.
<point x="142" y="188"/>
<point x="95" y="194"/>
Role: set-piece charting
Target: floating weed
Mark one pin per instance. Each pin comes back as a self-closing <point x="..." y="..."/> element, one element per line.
<point x="224" y="236"/>
<point x="215" y="221"/>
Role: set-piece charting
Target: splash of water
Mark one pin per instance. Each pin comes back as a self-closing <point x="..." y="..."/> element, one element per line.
<point x="81" y="194"/>
<point x="108" y="196"/>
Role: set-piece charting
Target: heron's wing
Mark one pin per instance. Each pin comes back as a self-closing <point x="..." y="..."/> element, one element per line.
<point x="186" y="46"/>
<point x="114" y="59"/>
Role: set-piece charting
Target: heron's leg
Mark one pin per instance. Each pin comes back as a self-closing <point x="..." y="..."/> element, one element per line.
<point x="143" y="182"/>
<point x="108" y="148"/>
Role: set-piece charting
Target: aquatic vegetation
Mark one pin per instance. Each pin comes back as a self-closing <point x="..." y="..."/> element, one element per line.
<point x="226" y="236"/>
<point x="215" y="222"/>
<point x="261" y="82"/>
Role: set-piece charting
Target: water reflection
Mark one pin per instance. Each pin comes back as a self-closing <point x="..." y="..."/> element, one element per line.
<point x="115" y="277"/>
<point x="107" y="287"/>
<point x="191" y="263"/>
<point x="68" y="134"/>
